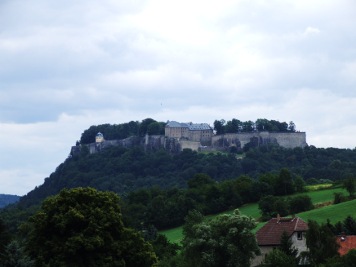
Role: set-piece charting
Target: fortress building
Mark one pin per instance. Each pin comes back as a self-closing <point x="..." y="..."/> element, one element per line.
<point x="198" y="135"/>
<point x="196" y="132"/>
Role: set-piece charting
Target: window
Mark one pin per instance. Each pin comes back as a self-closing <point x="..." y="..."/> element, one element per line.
<point x="300" y="235"/>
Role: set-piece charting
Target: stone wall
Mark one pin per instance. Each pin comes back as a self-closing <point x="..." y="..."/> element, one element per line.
<point x="218" y="143"/>
<point x="193" y="145"/>
<point x="287" y="140"/>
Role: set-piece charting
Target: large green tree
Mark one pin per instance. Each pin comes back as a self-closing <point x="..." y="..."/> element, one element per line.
<point x="83" y="227"/>
<point x="226" y="240"/>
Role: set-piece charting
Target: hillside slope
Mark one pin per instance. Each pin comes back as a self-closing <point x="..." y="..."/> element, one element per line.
<point x="124" y="170"/>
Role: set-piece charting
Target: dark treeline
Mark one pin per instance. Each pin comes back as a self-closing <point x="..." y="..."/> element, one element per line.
<point x="235" y="126"/>
<point x="124" y="130"/>
<point x="167" y="208"/>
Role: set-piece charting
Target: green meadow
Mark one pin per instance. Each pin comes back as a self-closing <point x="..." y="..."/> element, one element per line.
<point x="333" y="212"/>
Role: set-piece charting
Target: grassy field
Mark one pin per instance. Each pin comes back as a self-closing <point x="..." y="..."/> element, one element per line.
<point x="321" y="196"/>
<point x="324" y="195"/>
<point x="335" y="213"/>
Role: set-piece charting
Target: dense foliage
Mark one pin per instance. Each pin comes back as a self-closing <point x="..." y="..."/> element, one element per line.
<point x="271" y="205"/>
<point x="124" y="130"/>
<point x="124" y="170"/>
<point x="235" y="126"/>
<point x="226" y="240"/>
<point x="321" y="243"/>
<point x="83" y="227"/>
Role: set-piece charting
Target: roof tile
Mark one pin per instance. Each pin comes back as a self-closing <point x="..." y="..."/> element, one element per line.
<point x="347" y="243"/>
<point x="271" y="232"/>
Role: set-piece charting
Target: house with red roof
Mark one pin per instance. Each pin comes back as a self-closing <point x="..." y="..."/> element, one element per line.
<point x="346" y="242"/>
<point x="269" y="236"/>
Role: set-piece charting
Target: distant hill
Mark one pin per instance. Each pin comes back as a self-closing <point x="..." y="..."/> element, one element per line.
<point x="8" y="199"/>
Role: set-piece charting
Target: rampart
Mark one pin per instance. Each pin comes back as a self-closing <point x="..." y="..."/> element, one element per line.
<point x="218" y="142"/>
<point x="287" y="140"/>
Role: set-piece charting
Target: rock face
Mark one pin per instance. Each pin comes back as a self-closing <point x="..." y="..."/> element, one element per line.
<point x="218" y="142"/>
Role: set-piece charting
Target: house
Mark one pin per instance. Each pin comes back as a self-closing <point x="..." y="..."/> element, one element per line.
<point x="269" y="236"/>
<point x="346" y="242"/>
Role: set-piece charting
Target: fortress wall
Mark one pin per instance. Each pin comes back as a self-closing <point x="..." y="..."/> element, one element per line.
<point x="218" y="142"/>
<point x="193" y="145"/>
<point x="290" y="140"/>
<point x="287" y="140"/>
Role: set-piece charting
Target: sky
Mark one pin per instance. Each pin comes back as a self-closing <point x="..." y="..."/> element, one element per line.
<point x="67" y="65"/>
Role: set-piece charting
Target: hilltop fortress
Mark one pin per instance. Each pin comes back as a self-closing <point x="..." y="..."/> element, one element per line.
<point x="199" y="137"/>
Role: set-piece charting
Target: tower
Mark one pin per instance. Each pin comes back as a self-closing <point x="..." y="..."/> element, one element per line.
<point x="99" y="138"/>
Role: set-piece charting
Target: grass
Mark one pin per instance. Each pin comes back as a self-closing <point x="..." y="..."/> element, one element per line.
<point x="326" y="195"/>
<point x="335" y="213"/>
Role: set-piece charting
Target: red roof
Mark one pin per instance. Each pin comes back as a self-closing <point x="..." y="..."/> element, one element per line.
<point x="347" y="243"/>
<point x="270" y="234"/>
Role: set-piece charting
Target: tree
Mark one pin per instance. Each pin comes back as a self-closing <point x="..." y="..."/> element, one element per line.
<point x="4" y="239"/>
<point x="226" y="240"/>
<point x="219" y="126"/>
<point x="350" y="186"/>
<point x="299" y="184"/>
<point x="144" y="125"/>
<point x="284" y="183"/>
<point x="300" y="203"/>
<point x="287" y="246"/>
<point x="291" y="126"/>
<point x="321" y="243"/>
<point x="278" y="258"/>
<point x="349" y="259"/>
<point x="199" y="180"/>
<point x="15" y="256"/>
<point x="154" y="128"/>
<point x="270" y="206"/>
<point x="83" y="227"/>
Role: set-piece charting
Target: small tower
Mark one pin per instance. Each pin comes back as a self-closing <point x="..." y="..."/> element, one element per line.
<point x="99" y="138"/>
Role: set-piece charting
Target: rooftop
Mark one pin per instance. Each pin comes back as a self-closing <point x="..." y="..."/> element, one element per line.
<point x="347" y="242"/>
<point x="191" y="126"/>
<point x="270" y="234"/>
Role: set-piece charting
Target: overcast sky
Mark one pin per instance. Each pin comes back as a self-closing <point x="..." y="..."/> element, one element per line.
<point x="67" y="65"/>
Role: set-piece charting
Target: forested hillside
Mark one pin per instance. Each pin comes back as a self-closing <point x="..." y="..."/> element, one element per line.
<point x="124" y="170"/>
<point x="6" y="199"/>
